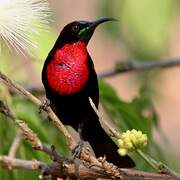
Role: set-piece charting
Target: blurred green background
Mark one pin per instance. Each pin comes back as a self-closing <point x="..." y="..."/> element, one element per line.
<point x="147" y="30"/>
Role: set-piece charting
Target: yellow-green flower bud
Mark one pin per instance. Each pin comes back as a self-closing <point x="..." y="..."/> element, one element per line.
<point x="131" y="141"/>
<point x="122" y="152"/>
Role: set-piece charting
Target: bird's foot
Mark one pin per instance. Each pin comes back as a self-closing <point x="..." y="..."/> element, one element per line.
<point x="44" y="105"/>
<point x="76" y="151"/>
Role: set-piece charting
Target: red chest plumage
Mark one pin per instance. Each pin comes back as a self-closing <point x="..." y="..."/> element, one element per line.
<point x="68" y="71"/>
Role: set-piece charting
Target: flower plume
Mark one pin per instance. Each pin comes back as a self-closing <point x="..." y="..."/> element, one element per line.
<point x="19" y="20"/>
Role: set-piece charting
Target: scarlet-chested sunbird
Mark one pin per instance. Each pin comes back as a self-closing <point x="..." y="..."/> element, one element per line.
<point x="70" y="79"/>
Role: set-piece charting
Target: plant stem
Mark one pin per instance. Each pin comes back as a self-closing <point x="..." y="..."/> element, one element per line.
<point x="158" y="166"/>
<point x="149" y="160"/>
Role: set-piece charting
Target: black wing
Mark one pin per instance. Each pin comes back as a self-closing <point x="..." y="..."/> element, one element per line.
<point x="92" y="85"/>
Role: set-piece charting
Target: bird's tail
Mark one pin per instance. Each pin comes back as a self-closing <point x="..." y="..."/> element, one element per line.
<point x="102" y="144"/>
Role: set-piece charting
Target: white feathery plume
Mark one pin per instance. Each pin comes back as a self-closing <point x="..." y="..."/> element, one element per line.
<point x="20" y="20"/>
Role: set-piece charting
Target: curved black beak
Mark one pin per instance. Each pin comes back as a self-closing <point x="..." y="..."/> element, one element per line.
<point x="86" y="33"/>
<point x="94" y="24"/>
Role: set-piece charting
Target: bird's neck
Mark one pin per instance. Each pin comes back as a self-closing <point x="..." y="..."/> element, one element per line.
<point x="68" y="71"/>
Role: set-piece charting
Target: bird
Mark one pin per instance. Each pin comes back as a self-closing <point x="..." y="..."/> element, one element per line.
<point x="69" y="78"/>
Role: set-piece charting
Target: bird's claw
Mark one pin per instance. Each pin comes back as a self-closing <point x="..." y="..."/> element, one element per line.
<point x="76" y="151"/>
<point x="45" y="103"/>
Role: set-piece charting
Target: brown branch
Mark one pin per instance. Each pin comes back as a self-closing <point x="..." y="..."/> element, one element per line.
<point x="36" y="101"/>
<point x="12" y="163"/>
<point x="62" y="170"/>
<point x="131" y="66"/>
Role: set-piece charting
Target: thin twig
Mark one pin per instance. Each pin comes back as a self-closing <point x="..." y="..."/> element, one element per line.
<point x="15" y="145"/>
<point x="165" y="169"/>
<point x="132" y="66"/>
<point x="112" y="131"/>
<point x="159" y="166"/>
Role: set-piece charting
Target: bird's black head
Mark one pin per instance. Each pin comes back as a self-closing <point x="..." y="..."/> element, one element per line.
<point x="79" y="31"/>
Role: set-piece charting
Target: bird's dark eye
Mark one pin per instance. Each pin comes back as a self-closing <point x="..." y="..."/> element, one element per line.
<point x="75" y="28"/>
